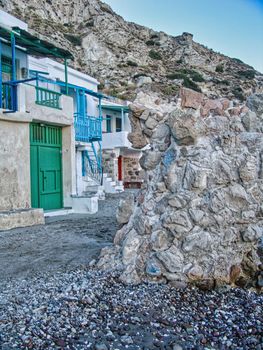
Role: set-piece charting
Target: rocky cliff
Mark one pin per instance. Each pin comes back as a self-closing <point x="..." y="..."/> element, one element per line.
<point x="128" y="58"/>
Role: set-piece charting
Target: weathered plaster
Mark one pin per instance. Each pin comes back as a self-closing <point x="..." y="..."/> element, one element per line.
<point x="14" y="166"/>
<point x="68" y="162"/>
<point x="63" y="116"/>
<point x="115" y="140"/>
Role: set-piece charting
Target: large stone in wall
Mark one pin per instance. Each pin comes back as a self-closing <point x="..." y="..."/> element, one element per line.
<point x="199" y="217"/>
<point x="125" y="209"/>
<point x="137" y="137"/>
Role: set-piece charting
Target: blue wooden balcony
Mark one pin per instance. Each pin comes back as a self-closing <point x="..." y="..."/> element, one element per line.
<point x="16" y="37"/>
<point x="8" y="96"/>
<point x="48" y="98"/>
<point x="87" y="129"/>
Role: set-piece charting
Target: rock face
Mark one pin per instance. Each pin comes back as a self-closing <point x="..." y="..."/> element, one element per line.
<point x="126" y="57"/>
<point x="199" y="218"/>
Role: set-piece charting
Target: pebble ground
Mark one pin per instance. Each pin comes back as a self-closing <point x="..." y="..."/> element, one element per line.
<point x="88" y="309"/>
<point x="48" y="300"/>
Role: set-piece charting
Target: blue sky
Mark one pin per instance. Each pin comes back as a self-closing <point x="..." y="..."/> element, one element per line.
<point x="232" y="27"/>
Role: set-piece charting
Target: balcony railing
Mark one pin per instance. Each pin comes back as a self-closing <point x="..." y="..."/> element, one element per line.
<point x="92" y="162"/>
<point x="9" y="96"/>
<point x="88" y="129"/>
<point x="48" y="98"/>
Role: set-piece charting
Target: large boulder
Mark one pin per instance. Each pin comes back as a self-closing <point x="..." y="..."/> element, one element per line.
<point x="185" y="127"/>
<point x="191" y="98"/>
<point x="255" y="103"/>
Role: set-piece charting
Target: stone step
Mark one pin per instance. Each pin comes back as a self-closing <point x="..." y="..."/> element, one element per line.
<point x="119" y="188"/>
<point x="88" y="194"/>
<point x="85" y="204"/>
<point x="58" y="212"/>
<point x="91" y="189"/>
<point x="108" y="179"/>
<point x="110" y="186"/>
<point x="90" y="182"/>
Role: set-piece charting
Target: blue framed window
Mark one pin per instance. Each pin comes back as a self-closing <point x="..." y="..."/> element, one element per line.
<point x="6" y="68"/>
<point x="108" y="123"/>
<point x="118" y="125"/>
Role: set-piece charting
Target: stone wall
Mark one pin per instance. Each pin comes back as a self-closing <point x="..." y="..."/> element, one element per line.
<point x="110" y="163"/>
<point x="132" y="171"/>
<point x="199" y="217"/>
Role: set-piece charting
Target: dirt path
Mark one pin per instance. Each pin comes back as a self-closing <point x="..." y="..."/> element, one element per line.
<point x="63" y="243"/>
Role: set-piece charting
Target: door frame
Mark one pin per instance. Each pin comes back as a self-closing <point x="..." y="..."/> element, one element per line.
<point x="120" y="168"/>
<point x="38" y="144"/>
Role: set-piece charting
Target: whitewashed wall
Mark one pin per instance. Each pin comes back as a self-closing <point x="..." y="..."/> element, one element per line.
<point x="11" y="21"/>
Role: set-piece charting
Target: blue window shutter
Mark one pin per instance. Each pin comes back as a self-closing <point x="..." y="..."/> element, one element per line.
<point x="108" y="123"/>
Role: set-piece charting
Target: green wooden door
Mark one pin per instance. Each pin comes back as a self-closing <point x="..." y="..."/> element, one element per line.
<point x="46" y="166"/>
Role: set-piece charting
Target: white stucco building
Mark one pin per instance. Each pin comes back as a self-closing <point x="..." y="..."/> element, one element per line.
<point x="120" y="159"/>
<point x="37" y="143"/>
<point x="55" y="132"/>
<point x="87" y="183"/>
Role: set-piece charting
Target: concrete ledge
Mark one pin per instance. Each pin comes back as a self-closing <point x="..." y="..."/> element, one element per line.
<point x="21" y="218"/>
<point x="16" y="117"/>
<point x="85" y="205"/>
<point x="59" y="212"/>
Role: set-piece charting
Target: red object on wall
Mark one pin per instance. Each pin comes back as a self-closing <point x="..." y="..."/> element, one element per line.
<point x="120" y="168"/>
